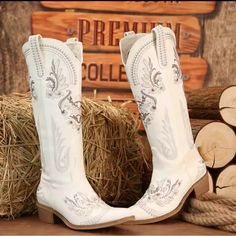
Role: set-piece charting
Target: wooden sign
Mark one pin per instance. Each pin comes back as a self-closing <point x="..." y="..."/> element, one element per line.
<point x="146" y="7"/>
<point x="102" y="32"/>
<point x="107" y="71"/>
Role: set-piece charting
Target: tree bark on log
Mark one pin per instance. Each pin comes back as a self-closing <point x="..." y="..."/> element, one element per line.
<point x="204" y="103"/>
<point x="226" y="182"/>
<point x="216" y="143"/>
<point x="213" y="103"/>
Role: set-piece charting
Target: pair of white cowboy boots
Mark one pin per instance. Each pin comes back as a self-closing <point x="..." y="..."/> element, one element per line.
<point x="152" y="67"/>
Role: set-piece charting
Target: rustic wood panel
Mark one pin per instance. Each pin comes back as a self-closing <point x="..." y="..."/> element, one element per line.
<point x="102" y="31"/>
<point x="15" y="27"/>
<point x="106" y="71"/>
<point x="146" y="7"/>
<point x="220" y="44"/>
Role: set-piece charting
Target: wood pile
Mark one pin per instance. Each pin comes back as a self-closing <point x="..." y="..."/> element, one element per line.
<point x="213" y="119"/>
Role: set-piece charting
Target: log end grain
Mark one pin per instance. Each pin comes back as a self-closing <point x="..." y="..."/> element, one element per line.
<point x="217" y="144"/>
<point x="226" y="182"/>
<point x="227" y="105"/>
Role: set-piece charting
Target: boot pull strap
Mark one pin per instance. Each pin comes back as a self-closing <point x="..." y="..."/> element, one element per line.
<point x="125" y="45"/>
<point x="76" y="47"/>
<point x="35" y="47"/>
<point x="159" y="35"/>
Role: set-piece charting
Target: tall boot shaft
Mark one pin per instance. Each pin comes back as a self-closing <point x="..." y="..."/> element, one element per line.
<point x="154" y="74"/>
<point x="64" y="191"/>
<point x="55" y="82"/>
<point x="153" y="70"/>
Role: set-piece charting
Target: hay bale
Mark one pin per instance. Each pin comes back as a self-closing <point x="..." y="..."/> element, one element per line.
<point x="113" y="154"/>
<point x="19" y="156"/>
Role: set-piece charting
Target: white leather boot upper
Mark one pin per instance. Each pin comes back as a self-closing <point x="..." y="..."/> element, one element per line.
<point x="153" y="71"/>
<point x="55" y="81"/>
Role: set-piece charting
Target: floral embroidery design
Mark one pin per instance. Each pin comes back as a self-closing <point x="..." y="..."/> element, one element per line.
<point x="71" y="109"/>
<point x="56" y="81"/>
<point x="165" y="141"/>
<point x="176" y="67"/>
<point x="161" y="194"/>
<point x="62" y="152"/>
<point x="83" y="205"/>
<point x="32" y="88"/>
<point x="152" y="83"/>
<point x="57" y="88"/>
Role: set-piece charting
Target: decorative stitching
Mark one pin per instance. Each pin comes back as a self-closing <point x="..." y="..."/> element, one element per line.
<point x="36" y="56"/>
<point x="176" y="67"/>
<point x="56" y="88"/>
<point x="152" y="83"/>
<point x="83" y="205"/>
<point x="161" y="193"/>
<point x="138" y="54"/>
<point x="165" y="140"/>
<point x="32" y="88"/>
<point x="60" y="53"/>
<point x="56" y="81"/>
<point x="62" y="151"/>
<point x="160" y="36"/>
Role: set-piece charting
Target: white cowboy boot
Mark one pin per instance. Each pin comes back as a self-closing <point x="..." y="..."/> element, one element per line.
<point x="152" y="67"/>
<point x="64" y="191"/>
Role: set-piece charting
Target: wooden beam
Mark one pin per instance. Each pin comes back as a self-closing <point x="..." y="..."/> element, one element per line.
<point x="147" y="7"/>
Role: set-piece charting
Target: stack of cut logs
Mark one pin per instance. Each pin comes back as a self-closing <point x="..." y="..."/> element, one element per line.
<point x="213" y="119"/>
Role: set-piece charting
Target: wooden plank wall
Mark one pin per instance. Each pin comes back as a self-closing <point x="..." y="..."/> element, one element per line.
<point x="102" y="31"/>
<point x="155" y="7"/>
<point x="218" y="45"/>
<point x="103" y="24"/>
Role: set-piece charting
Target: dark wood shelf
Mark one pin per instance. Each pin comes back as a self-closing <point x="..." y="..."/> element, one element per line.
<point x="31" y="225"/>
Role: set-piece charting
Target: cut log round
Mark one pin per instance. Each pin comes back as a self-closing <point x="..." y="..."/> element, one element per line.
<point x="227" y="105"/>
<point x="197" y="125"/>
<point x="216" y="143"/>
<point x="226" y="182"/>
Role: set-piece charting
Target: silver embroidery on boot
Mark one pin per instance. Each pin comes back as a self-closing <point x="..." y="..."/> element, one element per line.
<point x="165" y="140"/>
<point x="162" y="194"/>
<point x="62" y="152"/>
<point x="152" y="83"/>
<point x="176" y="67"/>
<point x="56" y="88"/>
<point x="83" y="205"/>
